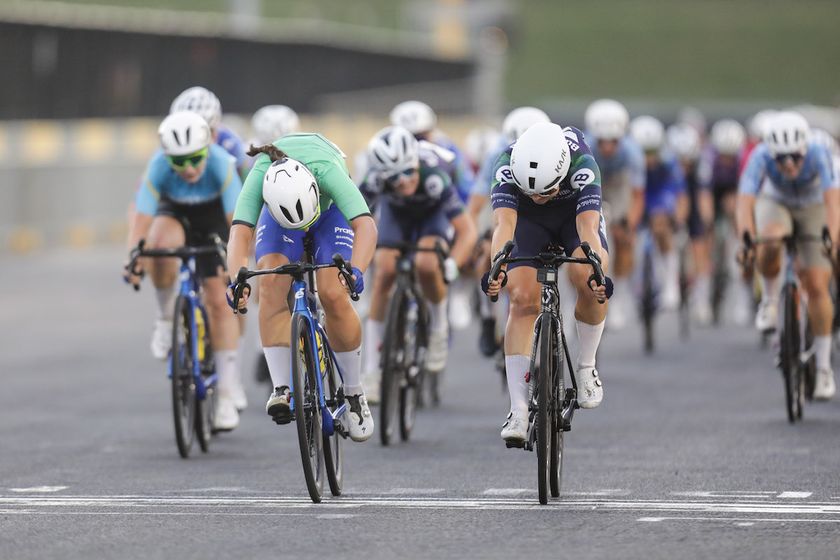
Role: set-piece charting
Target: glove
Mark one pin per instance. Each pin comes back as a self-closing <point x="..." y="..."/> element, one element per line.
<point x="230" y="289"/>
<point x="359" y="286"/>
<point x="450" y="270"/>
<point x="485" y="281"/>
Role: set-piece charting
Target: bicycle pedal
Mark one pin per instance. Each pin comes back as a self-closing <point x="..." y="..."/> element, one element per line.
<point x="518" y="444"/>
<point x="282" y="419"/>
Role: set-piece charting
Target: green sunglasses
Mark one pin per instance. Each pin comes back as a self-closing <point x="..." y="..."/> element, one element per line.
<point x="194" y="160"/>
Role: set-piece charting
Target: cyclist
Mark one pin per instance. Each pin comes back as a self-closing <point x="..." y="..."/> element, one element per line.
<point x="204" y="102"/>
<point x="190" y="180"/>
<point x="516" y="122"/>
<point x="722" y="166"/>
<point x="300" y="185"/>
<point x="547" y="191"/>
<point x="788" y="185"/>
<point x="272" y="122"/>
<point x="666" y="205"/>
<point x="419" y="205"/>
<point x="684" y="141"/>
<point x="622" y="166"/>
<point x="756" y="129"/>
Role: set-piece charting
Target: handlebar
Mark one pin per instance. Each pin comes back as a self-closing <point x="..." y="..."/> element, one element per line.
<point x="216" y="246"/>
<point x="296" y="270"/>
<point x="404" y="248"/>
<point x="787" y="240"/>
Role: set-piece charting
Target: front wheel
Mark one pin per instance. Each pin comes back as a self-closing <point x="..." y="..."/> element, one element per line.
<point x="307" y="407"/>
<point x="182" y="361"/>
<point x="545" y="371"/>
<point x="789" y="349"/>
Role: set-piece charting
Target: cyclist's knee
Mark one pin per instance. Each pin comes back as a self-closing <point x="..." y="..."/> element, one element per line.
<point x="273" y="292"/>
<point x="815" y="282"/>
<point x="524" y="299"/>
<point x="428" y="266"/>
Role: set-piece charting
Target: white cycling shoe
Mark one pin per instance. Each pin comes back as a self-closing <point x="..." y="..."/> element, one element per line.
<point x="824" y="387"/>
<point x="277" y="405"/>
<point x="227" y="417"/>
<point x="438" y="350"/>
<point x="701" y="312"/>
<point x="162" y="339"/>
<point x="670" y="296"/>
<point x="372" y="382"/>
<point x="515" y="429"/>
<point x="358" y="418"/>
<point x="590" y="389"/>
<point x="767" y="316"/>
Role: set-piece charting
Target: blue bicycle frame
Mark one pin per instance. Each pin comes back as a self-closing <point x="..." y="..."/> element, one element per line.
<point x="189" y="290"/>
<point x="306" y="306"/>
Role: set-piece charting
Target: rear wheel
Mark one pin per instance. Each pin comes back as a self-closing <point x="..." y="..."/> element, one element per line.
<point x="333" y="449"/>
<point x="307" y="409"/>
<point x="205" y="409"/>
<point x="184" y="406"/>
<point x="789" y="349"/>
<point x="544" y="419"/>
<point x="391" y="361"/>
<point x="648" y="300"/>
<point x="416" y="344"/>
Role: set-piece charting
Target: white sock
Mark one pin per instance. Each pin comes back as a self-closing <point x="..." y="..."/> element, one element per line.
<point x="671" y="267"/>
<point x="279" y="359"/>
<point x="516" y="367"/>
<point x="589" y="337"/>
<point x="485" y="309"/>
<point x="822" y="351"/>
<point x="228" y="372"/>
<point x="769" y="287"/>
<point x="350" y="363"/>
<point x="437" y="316"/>
<point x="166" y="301"/>
<point x="373" y="344"/>
<point x="702" y="287"/>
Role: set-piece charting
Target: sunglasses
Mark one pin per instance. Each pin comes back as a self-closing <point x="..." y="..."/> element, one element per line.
<point x="795" y="158"/>
<point x="194" y="160"/>
<point x="397" y="176"/>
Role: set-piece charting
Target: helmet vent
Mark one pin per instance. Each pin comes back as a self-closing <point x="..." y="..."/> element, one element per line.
<point x="534" y="165"/>
<point x="287" y="214"/>
<point x="175" y="136"/>
<point x="531" y="183"/>
<point x="299" y="208"/>
<point x="188" y="135"/>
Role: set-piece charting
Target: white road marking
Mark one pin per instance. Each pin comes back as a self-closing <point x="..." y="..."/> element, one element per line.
<point x="39" y="489"/>
<point x="334" y="516"/>
<point x="651" y="519"/>
<point x="506" y="491"/>
<point x="727" y="494"/>
<point x="791" y="495"/>
<point x="745" y="524"/>
<point x="415" y="491"/>
<point x="752" y="521"/>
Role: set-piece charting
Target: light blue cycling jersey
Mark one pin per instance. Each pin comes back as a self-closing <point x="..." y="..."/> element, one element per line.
<point x="761" y="174"/>
<point x="627" y="164"/>
<point x="487" y="172"/>
<point x="220" y="180"/>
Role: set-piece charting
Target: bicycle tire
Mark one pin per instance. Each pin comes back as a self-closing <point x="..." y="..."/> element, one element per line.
<point x="182" y="382"/>
<point x="648" y="302"/>
<point x="684" y="312"/>
<point x="307" y="408"/>
<point x="416" y="344"/>
<point x="391" y="366"/>
<point x="558" y="392"/>
<point x="206" y="408"/>
<point x="333" y="447"/>
<point x="789" y="352"/>
<point x="809" y="367"/>
<point x="544" y="422"/>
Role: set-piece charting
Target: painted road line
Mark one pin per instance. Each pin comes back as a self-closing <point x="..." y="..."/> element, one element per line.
<point x="506" y="491"/>
<point x="794" y="495"/>
<point x="415" y="491"/>
<point x="726" y="494"/>
<point x="752" y="520"/>
<point x="39" y="489"/>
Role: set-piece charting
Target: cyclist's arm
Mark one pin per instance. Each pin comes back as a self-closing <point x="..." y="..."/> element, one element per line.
<point x="465" y="238"/>
<point x="239" y="247"/>
<point x="364" y="241"/>
<point x="637" y="208"/>
<point x="145" y="204"/>
<point x="745" y="215"/>
<point x="475" y="205"/>
<point x="588" y="224"/>
<point x="505" y="227"/>
<point x="748" y="187"/>
<point x="832" y="213"/>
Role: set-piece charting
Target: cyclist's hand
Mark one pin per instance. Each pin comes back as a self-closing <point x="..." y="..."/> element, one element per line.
<point x="133" y="277"/>
<point x="450" y="270"/>
<point x="358" y="280"/>
<point x="492" y="287"/>
<point x="602" y="292"/>
<point x="243" y="301"/>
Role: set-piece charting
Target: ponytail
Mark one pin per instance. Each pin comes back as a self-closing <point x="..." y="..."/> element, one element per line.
<point x="270" y="150"/>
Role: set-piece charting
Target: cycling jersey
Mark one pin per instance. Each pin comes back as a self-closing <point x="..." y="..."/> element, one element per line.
<point x="626" y="167"/>
<point x="227" y="139"/>
<point x="457" y="167"/>
<point x="484" y="178"/>
<point x="762" y="174"/>
<point x="664" y="183"/>
<point x="218" y="182"/>
<point x="324" y="160"/>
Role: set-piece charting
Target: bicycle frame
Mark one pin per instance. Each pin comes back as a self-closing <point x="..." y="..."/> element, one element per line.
<point x="306" y="306"/>
<point x="189" y="289"/>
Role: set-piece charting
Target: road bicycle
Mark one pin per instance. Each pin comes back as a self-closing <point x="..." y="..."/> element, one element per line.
<point x="317" y="395"/>
<point x="192" y="370"/>
<point x="404" y="346"/>
<point x="551" y="404"/>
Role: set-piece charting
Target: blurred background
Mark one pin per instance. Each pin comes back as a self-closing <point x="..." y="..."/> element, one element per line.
<point x="87" y="81"/>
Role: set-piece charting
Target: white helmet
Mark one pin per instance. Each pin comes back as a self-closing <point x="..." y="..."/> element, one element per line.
<point x="540" y="158"/>
<point x="728" y="137"/>
<point x="183" y="133"/>
<point x="787" y="133"/>
<point x="648" y="133"/>
<point x="823" y="138"/>
<point x="758" y="123"/>
<point x="684" y="140"/>
<point x="291" y="194"/>
<point x="693" y="117"/>
<point x="273" y="121"/>
<point x="606" y="119"/>
<point x="416" y="116"/>
<point x="480" y="142"/>
<point x="393" y="149"/>
<point x="202" y="101"/>
<point x="517" y="121"/>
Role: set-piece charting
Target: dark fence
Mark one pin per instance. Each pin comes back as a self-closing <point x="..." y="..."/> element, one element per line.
<point x="58" y="72"/>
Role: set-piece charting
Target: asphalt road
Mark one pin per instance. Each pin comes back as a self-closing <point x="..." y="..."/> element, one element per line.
<point x="689" y="456"/>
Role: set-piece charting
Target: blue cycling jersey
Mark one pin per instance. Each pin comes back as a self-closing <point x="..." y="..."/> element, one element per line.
<point x="219" y="181"/>
<point x="458" y="168"/>
<point x="664" y="183"/>
<point x="627" y="164"/>
<point x="227" y="139"/>
<point x="486" y="173"/>
<point x="762" y="174"/>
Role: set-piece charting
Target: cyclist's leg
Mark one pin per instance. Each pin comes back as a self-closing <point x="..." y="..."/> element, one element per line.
<point x="701" y="215"/>
<point x="662" y="229"/>
<point x="618" y="197"/>
<point x="772" y="220"/>
<point x="166" y="232"/>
